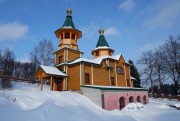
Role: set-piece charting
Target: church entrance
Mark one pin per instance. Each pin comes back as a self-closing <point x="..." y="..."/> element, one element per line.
<point x="60" y="84"/>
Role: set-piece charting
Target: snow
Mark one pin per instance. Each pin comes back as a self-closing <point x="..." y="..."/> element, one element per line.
<point x="96" y="60"/>
<point x="93" y="61"/>
<point x="26" y="103"/>
<point x="68" y="27"/>
<point x="102" y="47"/>
<point x="52" y="70"/>
<point x="133" y="78"/>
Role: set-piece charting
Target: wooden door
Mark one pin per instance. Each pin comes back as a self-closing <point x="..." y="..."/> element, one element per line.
<point x="60" y="85"/>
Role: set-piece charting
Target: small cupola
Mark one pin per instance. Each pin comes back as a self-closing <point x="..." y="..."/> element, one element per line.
<point x="102" y="47"/>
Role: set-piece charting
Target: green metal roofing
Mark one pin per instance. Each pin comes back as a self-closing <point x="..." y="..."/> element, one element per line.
<point x="102" y="41"/>
<point x="68" y="22"/>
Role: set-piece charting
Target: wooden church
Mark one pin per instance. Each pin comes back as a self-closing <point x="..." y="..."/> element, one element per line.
<point x="71" y="71"/>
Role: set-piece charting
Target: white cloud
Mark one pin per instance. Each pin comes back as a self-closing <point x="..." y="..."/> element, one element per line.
<point x="111" y="31"/>
<point x="127" y="5"/>
<point x="12" y="31"/>
<point x="166" y="16"/>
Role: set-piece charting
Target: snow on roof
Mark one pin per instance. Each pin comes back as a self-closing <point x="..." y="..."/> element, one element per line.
<point x="69" y="27"/>
<point x="102" y="47"/>
<point x="133" y="78"/>
<point x="52" y="70"/>
<point x="96" y="60"/>
<point x="69" y="48"/>
<point x="117" y="57"/>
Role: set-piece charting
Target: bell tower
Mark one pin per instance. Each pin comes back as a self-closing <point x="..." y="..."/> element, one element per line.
<point x="68" y="34"/>
<point x="102" y="47"/>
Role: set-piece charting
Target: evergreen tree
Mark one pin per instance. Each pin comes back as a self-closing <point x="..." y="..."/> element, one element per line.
<point x="135" y="74"/>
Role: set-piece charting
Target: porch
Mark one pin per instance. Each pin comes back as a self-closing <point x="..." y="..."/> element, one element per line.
<point x="53" y="76"/>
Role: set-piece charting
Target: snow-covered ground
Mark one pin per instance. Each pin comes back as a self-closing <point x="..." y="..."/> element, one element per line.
<point x="26" y="103"/>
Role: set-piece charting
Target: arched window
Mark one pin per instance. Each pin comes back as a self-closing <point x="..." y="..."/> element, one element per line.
<point x="121" y="103"/>
<point x="130" y="99"/>
<point x="119" y="70"/>
<point x="144" y="99"/>
<point x="139" y="99"/>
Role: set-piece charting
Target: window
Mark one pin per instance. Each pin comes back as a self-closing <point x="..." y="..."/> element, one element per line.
<point x="119" y="70"/>
<point x="97" y="53"/>
<point x="62" y="36"/>
<point x="60" y="59"/>
<point x="112" y="81"/>
<point x="67" y="35"/>
<point x="87" y="78"/>
<point x="110" y="53"/>
<point x="73" y="36"/>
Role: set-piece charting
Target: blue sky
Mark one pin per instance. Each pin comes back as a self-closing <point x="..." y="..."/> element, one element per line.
<point x="131" y="26"/>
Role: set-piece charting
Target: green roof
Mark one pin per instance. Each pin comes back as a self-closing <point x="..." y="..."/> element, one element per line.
<point x="68" y="22"/>
<point x="102" y="41"/>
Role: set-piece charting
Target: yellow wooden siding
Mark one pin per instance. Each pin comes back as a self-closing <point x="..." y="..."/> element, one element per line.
<point x="73" y="55"/>
<point x="74" y="77"/>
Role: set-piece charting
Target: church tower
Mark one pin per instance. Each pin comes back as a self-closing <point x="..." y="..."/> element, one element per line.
<point x="68" y="36"/>
<point x="102" y="47"/>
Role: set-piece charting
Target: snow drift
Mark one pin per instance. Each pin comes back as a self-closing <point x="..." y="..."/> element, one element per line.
<point x="26" y="103"/>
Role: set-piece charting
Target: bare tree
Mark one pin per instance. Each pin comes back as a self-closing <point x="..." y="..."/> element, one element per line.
<point x="162" y="64"/>
<point x="171" y="53"/>
<point x="45" y="49"/>
<point x="160" y="71"/>
<point x="42" y="54"/>
<point x="146" y="63"/>
<point x="8" y="58"/>
<point x="34" y="58"/>
<point x="8" y="61"/>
